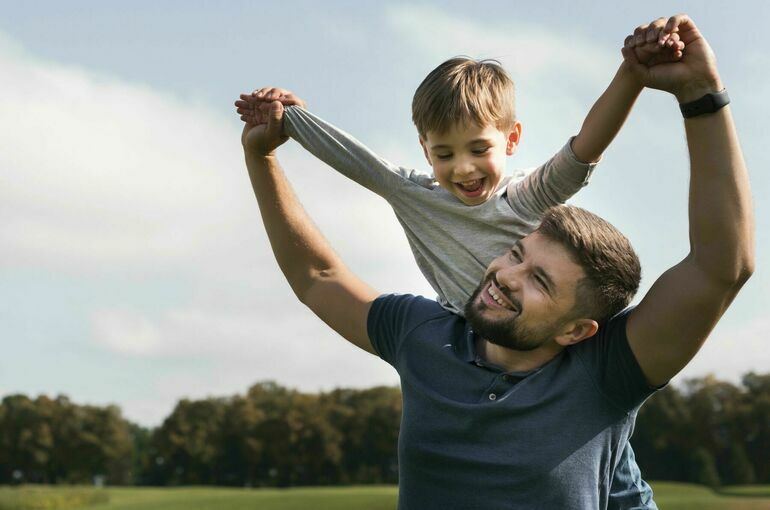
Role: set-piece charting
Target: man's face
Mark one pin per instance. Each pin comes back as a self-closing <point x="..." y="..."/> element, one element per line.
<point x="527" y="295"/>
<point x="469" y="160"/>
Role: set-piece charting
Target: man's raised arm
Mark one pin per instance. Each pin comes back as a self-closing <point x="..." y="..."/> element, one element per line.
<point x="675" y="317"/>
<point x="316" y="274"/>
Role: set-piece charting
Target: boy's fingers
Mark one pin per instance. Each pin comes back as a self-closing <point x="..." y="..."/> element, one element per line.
<point x="639" y="34"/>
<point x="243" y="104"/>
<point x="651" y="34"/>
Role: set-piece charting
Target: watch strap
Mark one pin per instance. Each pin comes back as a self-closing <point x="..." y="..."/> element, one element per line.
<point x="709" y="103"/>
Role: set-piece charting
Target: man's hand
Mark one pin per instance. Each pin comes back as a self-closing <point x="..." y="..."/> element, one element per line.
<point x="694" y="75"/>
<point x="254" y="108"/>
<point x="261" y="140"/>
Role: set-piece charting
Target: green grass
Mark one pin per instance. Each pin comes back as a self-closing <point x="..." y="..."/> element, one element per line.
<point x="50" y="498"/>
<point x="683" y="496"/>
<point x="668" y="495"/>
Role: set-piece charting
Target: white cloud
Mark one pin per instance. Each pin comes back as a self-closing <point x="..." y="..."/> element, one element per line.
<point x="95" y="171"/>
<point x="528" y="50"/>
<point x="126" y="332"/>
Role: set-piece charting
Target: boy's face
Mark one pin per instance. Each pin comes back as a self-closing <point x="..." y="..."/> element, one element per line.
<point x="469" y="160"/>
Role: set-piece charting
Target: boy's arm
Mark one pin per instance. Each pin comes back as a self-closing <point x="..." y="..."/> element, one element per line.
<point x="562" y="176"/>
<point x="330" y="144"/>
<point x="610" y="111"/>
<point x="316" y="274"/>
<point x="607" y="116"/>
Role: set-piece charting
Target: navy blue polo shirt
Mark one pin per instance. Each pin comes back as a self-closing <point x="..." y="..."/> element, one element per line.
<point x="476" y="436"/>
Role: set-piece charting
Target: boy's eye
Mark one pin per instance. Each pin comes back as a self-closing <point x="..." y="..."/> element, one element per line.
<point x="443" y="156"/>
<point x="480" y="150"/>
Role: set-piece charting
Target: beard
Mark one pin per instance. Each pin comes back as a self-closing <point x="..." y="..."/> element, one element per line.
<point x="508" y="332"/>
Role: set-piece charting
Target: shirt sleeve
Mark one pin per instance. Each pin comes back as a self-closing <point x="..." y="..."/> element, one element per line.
<point x="613" y="366"/>
<point x="392" y="317"/>
<point x="550" y="184"/>
<point x="347" y="155"/>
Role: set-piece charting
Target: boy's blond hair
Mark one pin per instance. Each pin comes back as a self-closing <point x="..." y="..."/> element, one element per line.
<point x="463" y="90"/>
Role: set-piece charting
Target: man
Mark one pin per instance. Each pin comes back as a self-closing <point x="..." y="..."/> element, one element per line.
<point x="531" y="402"/>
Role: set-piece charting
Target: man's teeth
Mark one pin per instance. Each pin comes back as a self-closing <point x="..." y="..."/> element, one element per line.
<point x="497" y="298"/>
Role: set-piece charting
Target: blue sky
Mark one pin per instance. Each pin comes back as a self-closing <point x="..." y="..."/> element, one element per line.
<point x="134" y="268"/>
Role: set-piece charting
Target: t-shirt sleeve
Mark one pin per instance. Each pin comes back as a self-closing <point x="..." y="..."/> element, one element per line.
<point x="550" y="184"/>
<point x="347" y="155"/>
<point x="391" y="317"/>
<point x="610" y="361"/>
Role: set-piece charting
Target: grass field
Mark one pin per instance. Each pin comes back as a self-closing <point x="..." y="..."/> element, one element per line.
<point x="669" y="496"/>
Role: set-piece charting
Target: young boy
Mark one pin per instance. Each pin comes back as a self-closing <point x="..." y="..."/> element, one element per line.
<point x="468" y="211"/>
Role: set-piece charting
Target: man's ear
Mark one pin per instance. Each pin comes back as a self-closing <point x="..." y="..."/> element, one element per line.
<point x="514" y="135"/>
<point x="577" y="331"/>
<point x="425" y="151"/>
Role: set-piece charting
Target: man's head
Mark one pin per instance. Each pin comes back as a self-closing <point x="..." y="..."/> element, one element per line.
<point x="557" y="284"/>
<point x="465" y="115"/>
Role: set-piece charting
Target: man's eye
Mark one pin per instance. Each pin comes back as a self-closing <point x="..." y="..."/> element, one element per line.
<point x="515" y="255"/>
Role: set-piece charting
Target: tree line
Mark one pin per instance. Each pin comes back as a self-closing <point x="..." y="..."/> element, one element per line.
<point x="705" y="431"/>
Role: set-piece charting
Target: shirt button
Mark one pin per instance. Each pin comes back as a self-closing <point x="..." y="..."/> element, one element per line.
<point x="506" y="378"/>
<point x="492" y="396"/>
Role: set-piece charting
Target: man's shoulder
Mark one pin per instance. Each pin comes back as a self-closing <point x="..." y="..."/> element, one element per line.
<point x="612" y="329"/>
<point x="409" y="306"/>
<point x="392" y="317"/>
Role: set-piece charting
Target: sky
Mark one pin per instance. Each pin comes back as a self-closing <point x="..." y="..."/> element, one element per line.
<point x="134" y="268"/>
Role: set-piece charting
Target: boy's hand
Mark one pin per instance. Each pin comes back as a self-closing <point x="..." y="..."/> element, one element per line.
<point x="254" y="108"/>
<point x="261" y="140"/>
<point x="650" y="49"/>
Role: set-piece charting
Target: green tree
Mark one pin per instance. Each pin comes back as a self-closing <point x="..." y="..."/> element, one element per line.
<point x="704" y="468"/>
<point x="757" y="424"/>
<point x="189" y="442"/>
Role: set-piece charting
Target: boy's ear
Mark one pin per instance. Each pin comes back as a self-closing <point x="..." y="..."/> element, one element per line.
<point x="577" y="331"/>
<point x="514" y="135"/>
<point x="425" y="151"/>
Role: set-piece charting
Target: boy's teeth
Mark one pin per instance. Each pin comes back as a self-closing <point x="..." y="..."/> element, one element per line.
<point x="471" y="185"/>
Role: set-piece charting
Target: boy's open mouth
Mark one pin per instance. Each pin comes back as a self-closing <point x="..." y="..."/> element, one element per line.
<point x="471" y="188"/>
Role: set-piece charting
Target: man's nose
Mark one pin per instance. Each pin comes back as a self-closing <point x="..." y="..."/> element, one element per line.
<point x="509" y="277"/>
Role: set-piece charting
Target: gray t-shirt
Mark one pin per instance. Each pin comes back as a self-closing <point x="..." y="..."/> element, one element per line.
<point x="474" y="436"/>
<point x="452" y="243"/>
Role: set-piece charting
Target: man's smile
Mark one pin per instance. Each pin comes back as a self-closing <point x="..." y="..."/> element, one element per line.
<point x="493" y="297"/>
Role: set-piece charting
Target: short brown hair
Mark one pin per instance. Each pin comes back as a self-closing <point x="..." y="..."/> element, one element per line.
<point x="611" y="266"/>
<point x="464" y="90"/>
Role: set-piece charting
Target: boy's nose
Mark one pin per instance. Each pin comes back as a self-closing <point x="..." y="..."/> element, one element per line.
<point x="464" y="168"/>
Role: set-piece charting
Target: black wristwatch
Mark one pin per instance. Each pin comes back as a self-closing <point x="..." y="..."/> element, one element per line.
<point x="709" y="103"/>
